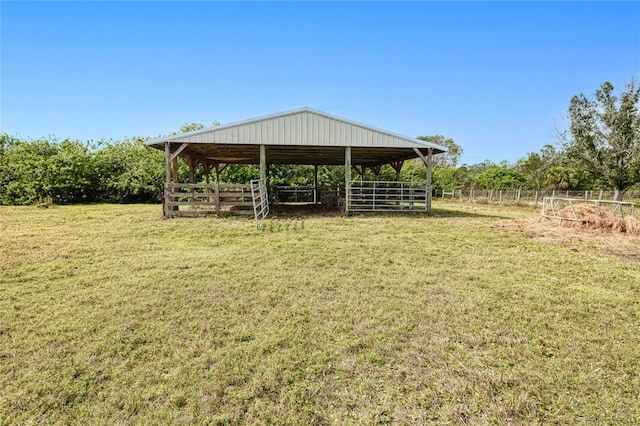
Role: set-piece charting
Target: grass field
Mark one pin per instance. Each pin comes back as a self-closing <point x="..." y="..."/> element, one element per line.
<point x="111" y="315"/>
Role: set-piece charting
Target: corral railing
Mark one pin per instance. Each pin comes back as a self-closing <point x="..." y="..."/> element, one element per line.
<point x="294" y="194"/>
<point x="190" y="199"/>
<point x="373" y="196"/>
<point x="565" y="208"/>
<point x="332" y="195"/>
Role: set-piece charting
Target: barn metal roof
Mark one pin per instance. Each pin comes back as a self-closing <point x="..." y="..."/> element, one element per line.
<point x="301" y="136"/>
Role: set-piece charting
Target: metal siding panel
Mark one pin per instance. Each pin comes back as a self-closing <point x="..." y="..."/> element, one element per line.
<point x="265" y="137"/>
<point x="332" y="131"/>
<point x="304" y="129"/>
<point x="272" y="131"/>
<point x="315" y="130"/>
<point x="255" y="136"/>
<point x="281" y="132"/>
<point x="320" y="133"/>
<point x="326" y="125"/>
<point x="285" y="125"/>
<point x="249" y="133"/>
<point x="298" y="131"/>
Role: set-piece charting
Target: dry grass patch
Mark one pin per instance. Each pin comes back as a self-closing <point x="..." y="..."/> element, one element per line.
<point x="593" y="217"/>
<point x="109" y="314"/>
<point x="600" y="236"/>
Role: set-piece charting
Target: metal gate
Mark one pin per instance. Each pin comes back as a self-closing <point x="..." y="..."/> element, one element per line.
<point x="260" y="200"/>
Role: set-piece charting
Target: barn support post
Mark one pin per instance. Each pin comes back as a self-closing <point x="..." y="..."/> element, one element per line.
<point x="174" y="167"/>
<point x="167" y="161"/>
<point x="167" y="167"/>
<point x="192" y="169"/>
<point x="347" y="178"/>
<point x="263" y="162"/>
<point x="315" y="184"/>
<point x="427" y="162"/>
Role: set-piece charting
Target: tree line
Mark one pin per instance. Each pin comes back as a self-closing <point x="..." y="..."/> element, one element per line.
<point x="600" y="150"/>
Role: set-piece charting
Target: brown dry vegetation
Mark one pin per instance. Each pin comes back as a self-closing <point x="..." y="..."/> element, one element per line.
<point x="596" y="228"/>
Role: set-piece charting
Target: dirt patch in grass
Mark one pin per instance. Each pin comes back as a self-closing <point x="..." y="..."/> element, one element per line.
<point x="595" y="232"/>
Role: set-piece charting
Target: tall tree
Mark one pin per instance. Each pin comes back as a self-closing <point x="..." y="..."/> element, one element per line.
<point x="605" y="135"/>
<point x="536" y="166"/>
<point x="447" y="159"/>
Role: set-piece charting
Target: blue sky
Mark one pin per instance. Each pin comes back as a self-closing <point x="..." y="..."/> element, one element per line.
<point x="497" y="77"/>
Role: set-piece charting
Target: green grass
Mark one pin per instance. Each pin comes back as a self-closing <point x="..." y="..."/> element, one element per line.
<point x="111" y="315"/>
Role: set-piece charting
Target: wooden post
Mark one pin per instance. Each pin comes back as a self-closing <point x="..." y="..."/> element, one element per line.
<point x="174" y="167"/>
<point x="315" y="184"/>
<point x="347" y="178"/>
<point x="263" y="163"/>
<point x="167" y="161"/>
<point x="167" y="166"/>
<point x="429" y="161"/>
<point x="217" y="192"/>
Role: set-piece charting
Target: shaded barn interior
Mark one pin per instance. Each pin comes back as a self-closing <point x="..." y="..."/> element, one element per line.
<point x="299" y="137"/>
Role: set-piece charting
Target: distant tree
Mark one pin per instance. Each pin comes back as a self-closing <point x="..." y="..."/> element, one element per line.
<point x="130" y="172"/>
<point x="605" y="135"/>
<point x="562" y="178"/>
<point x="536" y="165"/>
<point x="449" y="178"/>
<point x="450" y="158"/>
<point x="191" y="127"/>
<point x="37" y="170"/>
<point x="499" y="177"/>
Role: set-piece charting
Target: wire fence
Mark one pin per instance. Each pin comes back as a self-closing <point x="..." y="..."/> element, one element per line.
<point x="529" y="197"/>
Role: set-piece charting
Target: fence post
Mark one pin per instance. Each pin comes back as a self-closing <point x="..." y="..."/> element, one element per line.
<point x="216" y="190"/>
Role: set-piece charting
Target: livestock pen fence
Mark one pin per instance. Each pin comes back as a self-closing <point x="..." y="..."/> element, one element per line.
<point x="363" y="196"/>
<point x="188" y="199"/>
<point x="191" y="199"/>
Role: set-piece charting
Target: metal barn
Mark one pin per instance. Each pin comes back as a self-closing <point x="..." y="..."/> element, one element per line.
<point x="300" y="137"/>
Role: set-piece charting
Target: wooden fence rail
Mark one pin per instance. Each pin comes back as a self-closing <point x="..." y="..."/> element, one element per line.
<point x="191" y="199"/>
